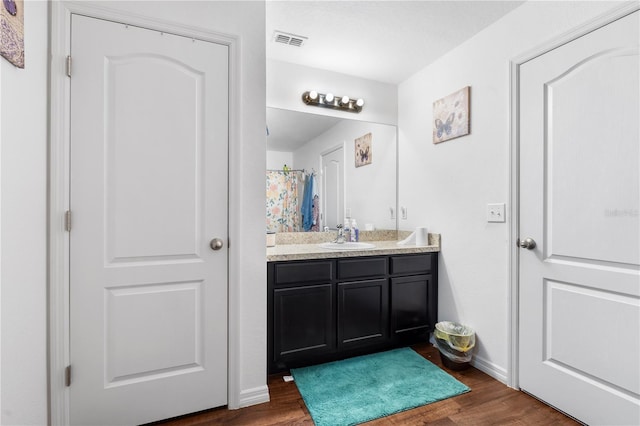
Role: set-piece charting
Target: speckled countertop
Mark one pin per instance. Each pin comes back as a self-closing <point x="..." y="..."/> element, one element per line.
<point x="311" y="250"/>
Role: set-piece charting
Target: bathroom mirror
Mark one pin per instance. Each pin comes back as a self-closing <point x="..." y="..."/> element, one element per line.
<point x="353" y="164"/>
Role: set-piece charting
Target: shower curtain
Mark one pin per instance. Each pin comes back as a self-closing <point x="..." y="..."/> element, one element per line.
<point x="310" y="204"/>
<point x="283" y="208"/>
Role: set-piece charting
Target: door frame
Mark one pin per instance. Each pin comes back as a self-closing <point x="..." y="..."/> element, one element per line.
<point x="59" y="196"/>
<point x="514" y="168"/>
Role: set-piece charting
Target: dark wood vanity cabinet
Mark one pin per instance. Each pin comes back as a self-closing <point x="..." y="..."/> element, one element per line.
<point x="413" y="281"/>
<point x="323" y="310"/>
<point x="304" y="320"/>
<point x="411" y="318"/>
<point x="302" y="309"/>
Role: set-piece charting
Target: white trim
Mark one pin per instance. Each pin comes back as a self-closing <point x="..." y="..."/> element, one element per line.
<point x="58" y="204"/>
<point x="0" y="241"/>
<point x="493" y="370"/>
<point x="514" y="165"/>
<point x="236" y="143"/>
<point x="514" y="215"/>
<point x="61" y="12"/>
<point x="254" y="396"/>
<point x="589" y="26"/>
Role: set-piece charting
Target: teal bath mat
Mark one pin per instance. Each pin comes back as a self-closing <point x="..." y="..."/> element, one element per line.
<point x="364" y="388"/>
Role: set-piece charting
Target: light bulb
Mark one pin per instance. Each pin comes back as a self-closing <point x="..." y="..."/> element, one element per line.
<point x="313" y="95"/>
<point x="360" y="102"/>
<point x="329" y="97"/>
<point x="344" y="100"/>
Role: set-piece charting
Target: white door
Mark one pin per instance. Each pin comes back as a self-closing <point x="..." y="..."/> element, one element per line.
<point x="148" y="296"/>
<point x="579" y="201"/>
<point x="333" y="187"/>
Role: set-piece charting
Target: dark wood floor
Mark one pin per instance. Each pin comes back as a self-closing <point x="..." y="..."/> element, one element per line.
<point x="489" y="403"/>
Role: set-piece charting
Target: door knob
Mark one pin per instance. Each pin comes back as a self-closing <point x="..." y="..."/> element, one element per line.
<point x="527" y="243"/>
<point x="216" y="244"/>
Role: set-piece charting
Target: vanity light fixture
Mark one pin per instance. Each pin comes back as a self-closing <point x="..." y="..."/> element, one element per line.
<point x="343" y="103"/>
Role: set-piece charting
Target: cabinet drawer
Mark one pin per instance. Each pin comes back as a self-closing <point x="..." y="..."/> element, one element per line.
<point x="411" y="264"/>
<point x="299" y="272"/>
<point x="362" y="268"/>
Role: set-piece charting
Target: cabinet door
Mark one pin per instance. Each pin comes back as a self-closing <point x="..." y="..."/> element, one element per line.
<point x="303" y="321"/>
<point x="363" y="313"/>
<point x="410" y="302"/>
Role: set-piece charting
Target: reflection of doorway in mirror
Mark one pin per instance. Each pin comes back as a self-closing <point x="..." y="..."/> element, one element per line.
<point x="332" y="187"/>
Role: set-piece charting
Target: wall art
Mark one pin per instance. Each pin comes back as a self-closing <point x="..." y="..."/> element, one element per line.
<point x="451" y="116"/>
<point x="12" y="31"/>
<point x="363" y="151"/>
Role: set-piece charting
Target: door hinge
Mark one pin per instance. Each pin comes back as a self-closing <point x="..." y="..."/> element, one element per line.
<point x="68" y="65"/>
<point x="67" y="221"/>
<point x="67" y="376"/>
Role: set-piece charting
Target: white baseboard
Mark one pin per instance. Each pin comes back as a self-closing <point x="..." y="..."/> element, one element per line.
<point x="253" y="396"/>
<point x="498" y="373"/>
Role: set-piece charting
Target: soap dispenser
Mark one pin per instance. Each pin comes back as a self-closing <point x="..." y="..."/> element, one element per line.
<point x="355" y="232"/>
<point x="347" y="229"/>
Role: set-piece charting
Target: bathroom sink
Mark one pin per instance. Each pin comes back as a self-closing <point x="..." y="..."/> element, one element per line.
<point x="349" y="245"/>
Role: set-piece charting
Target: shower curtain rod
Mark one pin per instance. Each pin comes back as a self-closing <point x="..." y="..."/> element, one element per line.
<point x="290" y="170"/>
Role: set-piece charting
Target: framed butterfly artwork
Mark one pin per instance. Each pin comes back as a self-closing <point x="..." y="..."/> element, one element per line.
<point x="363" y="150"/>
<point x="451" y="116"/>
<point x="12" y="31"/>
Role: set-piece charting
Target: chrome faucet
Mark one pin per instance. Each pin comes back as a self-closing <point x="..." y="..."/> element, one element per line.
<point x="341" y="238"/>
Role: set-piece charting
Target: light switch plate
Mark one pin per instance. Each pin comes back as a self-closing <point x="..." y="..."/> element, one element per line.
<point x="496" y="212"/>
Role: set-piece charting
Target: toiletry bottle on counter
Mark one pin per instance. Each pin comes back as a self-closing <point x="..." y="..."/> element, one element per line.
<point x="347" y="229"/>
<point x="355" y="232"/>
<point x="271" y="239"/>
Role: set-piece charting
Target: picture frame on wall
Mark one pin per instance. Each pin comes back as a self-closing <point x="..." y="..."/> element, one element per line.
<point x="363" y="150"/>
<point x="12" y="31"/>
<point x="452" y="116"/>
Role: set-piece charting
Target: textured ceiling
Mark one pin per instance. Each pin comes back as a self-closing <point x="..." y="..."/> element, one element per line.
<point x="385" y="41"/>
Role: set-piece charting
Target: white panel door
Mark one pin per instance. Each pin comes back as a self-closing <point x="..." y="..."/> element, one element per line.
<point x="579" y="201"/>
<point x="333" y="188"/>
<point x="148" y="296"/>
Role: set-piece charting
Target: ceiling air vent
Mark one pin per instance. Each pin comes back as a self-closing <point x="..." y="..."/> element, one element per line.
<point x="287" y="38"/>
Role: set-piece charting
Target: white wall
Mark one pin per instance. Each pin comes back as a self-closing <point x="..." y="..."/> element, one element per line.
<point x="287" y="82"/>
<point x="23" y="226"/>
<point x="447" y="186"/>
<point x="23" y="168"/>
<point x="369" y="190"/>
<point x="276" y="160"/>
